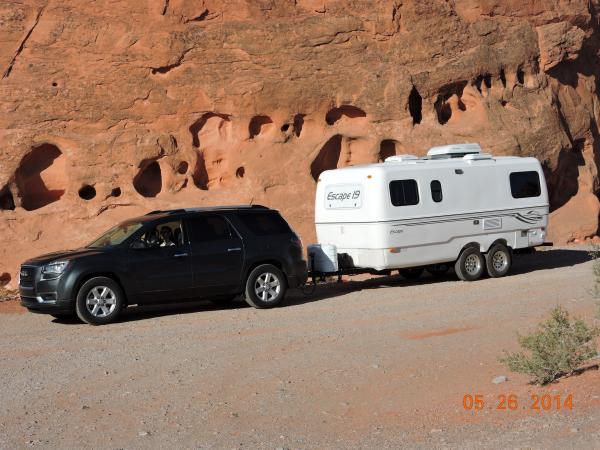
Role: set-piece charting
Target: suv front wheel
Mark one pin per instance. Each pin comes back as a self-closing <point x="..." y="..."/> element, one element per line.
<point x="265" y="287"/>
<point x="99" y="301"/>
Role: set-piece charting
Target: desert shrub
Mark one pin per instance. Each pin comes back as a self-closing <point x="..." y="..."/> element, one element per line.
<point x="595" y="255"/>
<point x="7" y="294"/>
<point x="558" y="347"/>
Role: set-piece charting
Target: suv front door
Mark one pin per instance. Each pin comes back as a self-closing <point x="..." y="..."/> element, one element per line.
<point x="160" y="262"/>
<point x="217" y="254"/>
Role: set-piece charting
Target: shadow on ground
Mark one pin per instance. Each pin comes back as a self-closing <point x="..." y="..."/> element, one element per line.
<point x="522" y="264"/>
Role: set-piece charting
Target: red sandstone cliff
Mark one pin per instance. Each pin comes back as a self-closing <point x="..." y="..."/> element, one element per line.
<point x="112" y="108"/>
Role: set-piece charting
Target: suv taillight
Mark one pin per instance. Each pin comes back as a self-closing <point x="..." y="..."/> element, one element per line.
<point x="297" y="241"/>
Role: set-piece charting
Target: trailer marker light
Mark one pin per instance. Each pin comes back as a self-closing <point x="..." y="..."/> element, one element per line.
<point x="395" y="250"/>
<point x="369" y="176"/>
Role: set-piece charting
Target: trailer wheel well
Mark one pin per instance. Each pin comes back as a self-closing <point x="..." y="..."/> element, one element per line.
<point x="477" y="245"/>
<point x="501" y="241"/>
<point x="110" y="275"/>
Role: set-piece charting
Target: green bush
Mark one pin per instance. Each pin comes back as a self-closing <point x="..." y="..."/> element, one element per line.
<point x="559" y="347"/>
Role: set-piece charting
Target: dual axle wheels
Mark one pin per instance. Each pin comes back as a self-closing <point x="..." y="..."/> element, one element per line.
<point x="470" y="265"/>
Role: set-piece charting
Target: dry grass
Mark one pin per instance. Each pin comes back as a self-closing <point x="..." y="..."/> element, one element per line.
<point x="8" y="294"/>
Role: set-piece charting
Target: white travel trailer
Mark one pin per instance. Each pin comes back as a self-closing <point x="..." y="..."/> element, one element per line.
<point x="456" y="205"/>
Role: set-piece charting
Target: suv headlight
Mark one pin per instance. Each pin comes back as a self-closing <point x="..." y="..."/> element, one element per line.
<point x="54" y="269"/>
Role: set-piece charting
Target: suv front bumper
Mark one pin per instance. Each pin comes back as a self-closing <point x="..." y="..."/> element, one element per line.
<point x="42" y="296"/>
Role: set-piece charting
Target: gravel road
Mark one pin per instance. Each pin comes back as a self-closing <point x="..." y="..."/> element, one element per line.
<point x="378" y="363"/>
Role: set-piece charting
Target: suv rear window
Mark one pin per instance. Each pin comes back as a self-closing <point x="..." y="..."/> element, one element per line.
<point x="265" y="223"/>
<point x="525" y="184"/>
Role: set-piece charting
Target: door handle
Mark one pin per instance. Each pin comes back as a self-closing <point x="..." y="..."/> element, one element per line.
<point x="235" y="249"/>
<point x="179" y="255"/>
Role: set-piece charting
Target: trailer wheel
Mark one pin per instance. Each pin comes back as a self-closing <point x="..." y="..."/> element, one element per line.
<point x="438" y="270"/>
<point x="498" y="260"/>
<point x="412" y="273"/>
<point x="470" y="264"/>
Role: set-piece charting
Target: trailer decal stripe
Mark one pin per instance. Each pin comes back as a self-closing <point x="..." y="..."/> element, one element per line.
<point x="530" y="217"/>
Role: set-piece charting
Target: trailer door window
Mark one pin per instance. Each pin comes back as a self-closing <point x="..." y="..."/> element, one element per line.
<point x="525" y="184"/>
<point x="404" y="192"/>
<point x="436" y="191"/>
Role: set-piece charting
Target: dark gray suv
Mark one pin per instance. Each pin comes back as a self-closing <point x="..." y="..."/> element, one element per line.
<point x="166" y="256"/>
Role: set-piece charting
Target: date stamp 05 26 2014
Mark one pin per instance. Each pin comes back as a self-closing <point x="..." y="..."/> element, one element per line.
<point x="511" y="402"/>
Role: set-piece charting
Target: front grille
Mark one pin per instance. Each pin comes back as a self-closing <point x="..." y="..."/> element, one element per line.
<point x="27" y="276"/>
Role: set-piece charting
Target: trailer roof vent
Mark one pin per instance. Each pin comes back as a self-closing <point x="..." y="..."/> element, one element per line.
<point x="401" y="158"/>
<point x="453" y="151"/>
<point x="477" y="156"/>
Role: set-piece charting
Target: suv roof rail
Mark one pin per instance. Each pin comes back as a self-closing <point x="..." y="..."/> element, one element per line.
<point x="205" y="208"/>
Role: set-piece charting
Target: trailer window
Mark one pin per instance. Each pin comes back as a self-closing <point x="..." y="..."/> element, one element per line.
<point x="436" y="191"/>
<point x="525" y="184"/>
<point x="404" y="192"/>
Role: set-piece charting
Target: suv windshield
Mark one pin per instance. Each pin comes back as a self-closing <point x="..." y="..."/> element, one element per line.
<point x="116" y="235"/>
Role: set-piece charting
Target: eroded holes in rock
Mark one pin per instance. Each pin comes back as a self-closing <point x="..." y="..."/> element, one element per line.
<point x="444" y="112"/>
<point x="503" y="102"/>
<point x="328" y="157"/>
<point x="54" y="84"/>
<point x="200" y="174"/>
<point x="487" y="80"/>
<point x="240" y="172"/>
<point x="483" y="80"/>
<point x="298" y="124"/>
<point x="441" y="105"/>
<point x="387" y="148"/>
<point x="349" y="111"/>
<point x="285" y="127"/>
<point x="41" y="176"/>
<point x="415" y="105"/>
<point x="502" y="77"/>
<point x="7" y="202"/>
<point x="258" y="124"/>
<point x="521" y="76"/>
<point x="197" y="126"/>
<point x="5" y="278"/>
<point x="182" y="168"/>
<point x="116" y="192"/>
<point x="87" y="192"/>
<point x="148" y="181"/>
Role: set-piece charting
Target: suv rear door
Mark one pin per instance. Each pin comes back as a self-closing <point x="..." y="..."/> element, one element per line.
<point x="217" y="254"/>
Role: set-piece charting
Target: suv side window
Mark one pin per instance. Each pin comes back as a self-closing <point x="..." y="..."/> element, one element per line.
<point x="209" y="228"/>
<point x="264" y="223"/>
<point x="165" y="234"/>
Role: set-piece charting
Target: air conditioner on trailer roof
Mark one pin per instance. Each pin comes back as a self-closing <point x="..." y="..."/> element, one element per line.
<point x="453" y="151"/>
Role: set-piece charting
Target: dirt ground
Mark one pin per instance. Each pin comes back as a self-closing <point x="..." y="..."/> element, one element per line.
<point x="380" y="363"/>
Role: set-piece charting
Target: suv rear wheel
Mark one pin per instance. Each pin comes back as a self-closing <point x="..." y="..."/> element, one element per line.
<point x="265" y="287"/>
<point x="99" y="301"/>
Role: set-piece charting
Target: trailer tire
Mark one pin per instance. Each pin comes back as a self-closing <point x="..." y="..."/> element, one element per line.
<point x="470" y="265"/>
<point x="265" y="287"/>
<point x="498" y="260"/>
<point x="412" y="273"/>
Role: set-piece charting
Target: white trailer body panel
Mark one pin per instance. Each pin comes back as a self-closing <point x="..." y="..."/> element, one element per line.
<point x="354" y="210"/>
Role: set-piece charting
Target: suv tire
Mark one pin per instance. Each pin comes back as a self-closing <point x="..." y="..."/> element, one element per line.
<point x="99" y="301"/>
<point x="265" y="287"/>
<point x="470" y="265"/>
